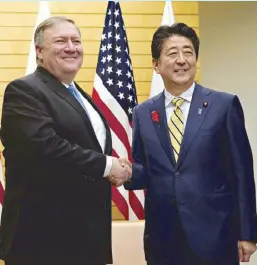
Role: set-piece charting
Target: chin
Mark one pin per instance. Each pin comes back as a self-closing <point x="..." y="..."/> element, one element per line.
<point x="71" y="69"/>
<point x="181" y="82"/>
<point x="72" y="65"/>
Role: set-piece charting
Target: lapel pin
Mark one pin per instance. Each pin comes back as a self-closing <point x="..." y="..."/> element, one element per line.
<point x="155" y="116"/>
<point x="200" y="111"/>
<point x="205" y="104"/>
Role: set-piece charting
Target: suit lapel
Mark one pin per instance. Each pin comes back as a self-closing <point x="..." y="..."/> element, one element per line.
<point x="161" y="127"/>
<point x="201" y="103"/>
<point x="58" y="88"/>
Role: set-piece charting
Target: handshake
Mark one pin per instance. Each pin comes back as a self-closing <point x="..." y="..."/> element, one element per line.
<point x="120" y="172"/>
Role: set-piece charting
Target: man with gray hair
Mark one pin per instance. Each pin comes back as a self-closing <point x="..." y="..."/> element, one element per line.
<point x="57" y="204"/>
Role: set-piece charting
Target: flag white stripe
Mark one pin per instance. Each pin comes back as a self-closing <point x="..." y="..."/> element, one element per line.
<point x="116" y="109"/>
<point x="141" y="196"/>
<point x="132" y="215"/>
<point x="120" y="148"/>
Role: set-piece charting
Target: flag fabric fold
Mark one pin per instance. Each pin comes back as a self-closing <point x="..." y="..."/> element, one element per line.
<point x="168" y="18"/>
<point x="43" y="13"/>
<point x="114" y="92"/>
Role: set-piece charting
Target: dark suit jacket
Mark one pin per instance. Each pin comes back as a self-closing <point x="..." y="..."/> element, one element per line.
<point x="212" y="181"/>
<point x="57" y="202"/>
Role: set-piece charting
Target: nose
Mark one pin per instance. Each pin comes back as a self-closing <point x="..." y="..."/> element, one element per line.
<point x="70" y="47"/>
<point x="181" y="59"/>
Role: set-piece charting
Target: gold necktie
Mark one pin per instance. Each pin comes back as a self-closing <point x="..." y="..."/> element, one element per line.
<point x="176" y="126"/>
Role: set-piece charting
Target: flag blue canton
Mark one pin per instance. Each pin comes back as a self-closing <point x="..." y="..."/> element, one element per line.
<point x="114" y="64"/>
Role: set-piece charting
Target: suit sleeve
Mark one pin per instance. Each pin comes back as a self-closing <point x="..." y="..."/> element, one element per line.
<point x="29" y="132"/>
<point x="139" y="172"/>
<point x="243" y="170"/>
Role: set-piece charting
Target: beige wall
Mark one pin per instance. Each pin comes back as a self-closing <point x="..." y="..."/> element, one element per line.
<point x="141" y="19"/>
<point x="229" y="57"/>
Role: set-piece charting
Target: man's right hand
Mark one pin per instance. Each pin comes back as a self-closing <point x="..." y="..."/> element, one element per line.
<point x="245" y="250"/>
<point x="120" y="171"/>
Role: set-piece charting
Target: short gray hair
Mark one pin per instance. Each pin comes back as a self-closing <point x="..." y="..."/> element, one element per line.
<point x="48" y="23"/>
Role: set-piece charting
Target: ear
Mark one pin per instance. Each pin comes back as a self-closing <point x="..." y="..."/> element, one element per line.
<point x="39" y="52"/>
<point x="155" y="65"/>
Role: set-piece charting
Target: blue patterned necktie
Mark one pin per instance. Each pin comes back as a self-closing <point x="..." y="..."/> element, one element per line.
<point x="75" y="93"/>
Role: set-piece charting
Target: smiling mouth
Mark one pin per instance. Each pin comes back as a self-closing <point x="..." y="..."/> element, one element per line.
<point x="181" y="71"/>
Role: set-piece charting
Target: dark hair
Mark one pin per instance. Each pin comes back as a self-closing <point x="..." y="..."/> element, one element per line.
<point x="164" y="32"/>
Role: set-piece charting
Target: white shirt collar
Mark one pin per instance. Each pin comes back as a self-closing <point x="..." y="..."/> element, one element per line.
<point x="187" y="95"/>
<point x="66" y="85"/>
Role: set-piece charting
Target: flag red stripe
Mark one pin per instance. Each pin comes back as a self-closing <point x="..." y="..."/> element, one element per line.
<point x="136" y="205"/>
<point x="113" y="122"/>
<point x="120" y="202"/>
<point x="114" y="153"/>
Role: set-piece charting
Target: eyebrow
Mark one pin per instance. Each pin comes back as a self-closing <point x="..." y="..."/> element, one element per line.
<point x="184" y="47"/>
<point x="188" y="46"/>
<point x="65" y="37"/>
<point x="175" y="48"/>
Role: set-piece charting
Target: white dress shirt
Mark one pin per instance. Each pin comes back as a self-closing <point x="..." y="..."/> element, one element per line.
<point x="169" y="107"/>
<point x="98" y="126"/>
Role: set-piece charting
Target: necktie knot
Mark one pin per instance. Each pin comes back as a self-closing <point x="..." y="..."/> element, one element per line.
<point x="177" y="102"/>
<point x="71" y="87"/>
<point x="72" y="90"/>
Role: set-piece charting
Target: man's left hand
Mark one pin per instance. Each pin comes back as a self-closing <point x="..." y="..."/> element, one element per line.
<point x="245" y="250"/>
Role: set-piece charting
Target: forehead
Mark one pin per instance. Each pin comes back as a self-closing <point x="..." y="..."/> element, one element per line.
<point x="177" y="41"/>
<point x="62" y="29"/>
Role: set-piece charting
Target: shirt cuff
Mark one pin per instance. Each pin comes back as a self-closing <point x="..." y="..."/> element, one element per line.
<point x="108" y="166"/>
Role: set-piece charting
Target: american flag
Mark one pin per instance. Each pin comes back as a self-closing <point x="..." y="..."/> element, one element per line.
<point x="114" y="93"/>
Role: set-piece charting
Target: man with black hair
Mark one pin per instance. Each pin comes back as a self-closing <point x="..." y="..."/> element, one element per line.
<point x="192" y="155"/>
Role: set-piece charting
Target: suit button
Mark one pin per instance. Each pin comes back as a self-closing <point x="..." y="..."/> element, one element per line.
<point x="177" y="174"/>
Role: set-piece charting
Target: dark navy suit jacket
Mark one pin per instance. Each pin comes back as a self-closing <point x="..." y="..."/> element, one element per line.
<point x="212" y="181"/>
